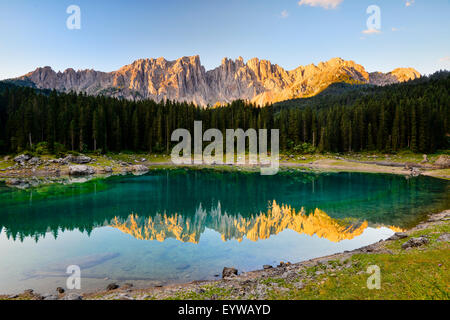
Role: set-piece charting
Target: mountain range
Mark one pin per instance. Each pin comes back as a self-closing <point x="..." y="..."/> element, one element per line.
<point x="186" y="80"/>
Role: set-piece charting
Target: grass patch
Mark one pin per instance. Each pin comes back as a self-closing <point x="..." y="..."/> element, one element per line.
<point x="420" y="274"/>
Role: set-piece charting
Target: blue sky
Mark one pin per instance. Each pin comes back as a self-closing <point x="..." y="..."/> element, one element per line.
<point x="414" y="33"/>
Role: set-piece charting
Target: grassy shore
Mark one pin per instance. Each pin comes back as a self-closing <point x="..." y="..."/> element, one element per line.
<point x="357" y="162"/>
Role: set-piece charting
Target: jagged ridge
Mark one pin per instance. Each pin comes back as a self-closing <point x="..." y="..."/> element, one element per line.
<point x="185" y="79"/>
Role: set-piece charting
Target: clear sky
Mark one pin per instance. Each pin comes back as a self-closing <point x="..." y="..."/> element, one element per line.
<point x="414" y="33"/>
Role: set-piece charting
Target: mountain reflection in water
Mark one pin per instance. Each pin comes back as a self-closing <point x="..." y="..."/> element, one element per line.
<point x="258" y="227"/>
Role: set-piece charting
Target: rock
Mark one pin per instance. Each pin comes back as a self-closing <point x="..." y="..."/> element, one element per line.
<point x="81" y="170"/>
<point x="266" y="266"/>
<point x="16" y="183"/>
<point x="60" y="290"/>
<point x="107" y="169"/>
<point x="318" y="273"/>
<point x="425" y="159"/>
<point x="139" y="169"/>
<point x="415" y="242"/>
<point x="444" y="237"/>
<point x="124" y="296"/>
<point x="415" y="172"/>
<point x="49" y="296"/>
<point x="443" y="162"/>
<point x="28" y="291"/>
<point x="397" y="236"/>
<point x="22" y="158"/>
<point x="284" y="264"/>
<point x="410" y="165"/>
<point x="127" y="286"/>
<point x="112" y="286"/>
<point x="299" y="285"/>
<point x="13" y="296"/>
<point x="34" y="161"/>
<point x="73" y="296"/>
<point x="81" y="159"/>
<point x="229" y="272"/>
<point x="443" y="216"/>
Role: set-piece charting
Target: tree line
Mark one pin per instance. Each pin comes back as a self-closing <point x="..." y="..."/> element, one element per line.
<point x="413" y="115"/>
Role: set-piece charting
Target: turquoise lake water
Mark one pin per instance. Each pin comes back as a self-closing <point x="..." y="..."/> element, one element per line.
<point x="172" y="226"/>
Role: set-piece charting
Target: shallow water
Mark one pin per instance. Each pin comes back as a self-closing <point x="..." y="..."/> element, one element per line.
<point x="183" y="225"/>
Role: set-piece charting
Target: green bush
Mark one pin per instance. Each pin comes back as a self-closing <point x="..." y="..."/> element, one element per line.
<point x="304" y="148"/>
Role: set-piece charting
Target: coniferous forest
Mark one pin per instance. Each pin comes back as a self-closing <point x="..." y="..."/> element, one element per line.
<point x="410" y="116"/>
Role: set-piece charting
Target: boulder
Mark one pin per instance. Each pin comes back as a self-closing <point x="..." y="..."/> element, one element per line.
<point x="266" y="266"/>
<point x="22" y="158"/>
<point x="229" y="272"/>
<point x="443" y="162"/>
<point x="398" y="236"/>
<point x="415" y="242"/>
<point x="73" y="296"/>
<point x="425" y="159"/>
<point x="445" y="237"/>
<point x="112" y="286"/>
<point x="49" y="296"/>
<point x="411" y="165"/>
<point x="34" y="161"/>
<point x="81" y="159"/>
<point x="81" y="170"/>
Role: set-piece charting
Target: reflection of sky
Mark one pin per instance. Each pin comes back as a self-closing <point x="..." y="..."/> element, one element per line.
<point x="171" y="260"/>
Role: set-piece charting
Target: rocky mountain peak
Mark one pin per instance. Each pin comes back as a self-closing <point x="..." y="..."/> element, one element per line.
<point x="185" y="79"/>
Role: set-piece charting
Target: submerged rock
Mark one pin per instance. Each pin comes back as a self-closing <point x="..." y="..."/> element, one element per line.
<point x="18" y="183"/>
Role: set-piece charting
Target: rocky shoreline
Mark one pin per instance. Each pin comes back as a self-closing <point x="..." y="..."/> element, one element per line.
<point x="271" y="281"/>
<point x="28" y="171"/>
<point x="33" y="171"/>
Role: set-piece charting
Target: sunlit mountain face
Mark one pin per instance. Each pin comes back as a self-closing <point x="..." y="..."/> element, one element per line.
<point x="183" y="225"/>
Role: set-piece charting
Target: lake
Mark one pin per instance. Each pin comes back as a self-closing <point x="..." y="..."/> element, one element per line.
<point x="180" y="225"/>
